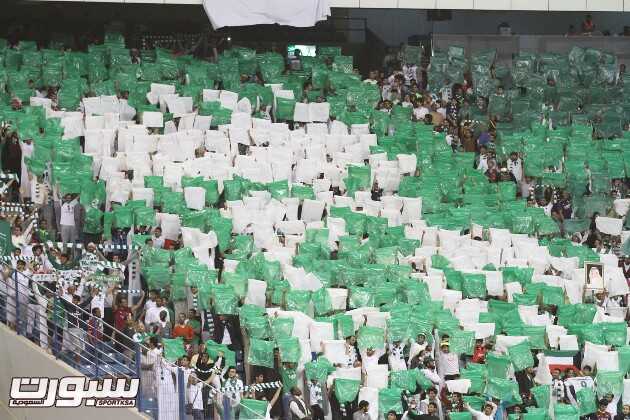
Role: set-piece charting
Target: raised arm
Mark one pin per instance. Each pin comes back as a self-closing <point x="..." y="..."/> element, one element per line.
<point x="138" y="305"/>
<point x="275" y="396"/>
<point x="474" y="412"/>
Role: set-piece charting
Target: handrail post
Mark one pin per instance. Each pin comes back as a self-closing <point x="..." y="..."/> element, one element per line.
<point x="96" y="349"/>
<point x="181" y="392"/>
<point x="17" y="304"/>
<point x="139" y="396"/>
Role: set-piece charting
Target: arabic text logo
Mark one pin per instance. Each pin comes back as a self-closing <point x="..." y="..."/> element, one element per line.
<point x="72" y="391"/>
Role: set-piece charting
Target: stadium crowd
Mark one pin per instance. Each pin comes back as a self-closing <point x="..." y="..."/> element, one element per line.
<point x="395" y="314"/>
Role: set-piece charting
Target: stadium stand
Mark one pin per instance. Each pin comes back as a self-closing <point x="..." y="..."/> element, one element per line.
<point x="263" y="237"/>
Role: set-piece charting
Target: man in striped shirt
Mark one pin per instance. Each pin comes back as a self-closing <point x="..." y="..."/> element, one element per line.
<point x="448" y="363"/>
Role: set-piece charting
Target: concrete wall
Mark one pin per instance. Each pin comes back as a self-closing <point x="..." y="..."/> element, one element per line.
<point x="394" y="26"/>
<point x="20" y="357"/>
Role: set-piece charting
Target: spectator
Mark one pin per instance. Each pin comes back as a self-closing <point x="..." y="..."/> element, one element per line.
<point x="432" y="399"/>
<point x="162" y="328"/>
<point x="157" y="238"/>
<point x="588" y="26"/>
<point x="601" y="413"/>
<point x="183" y="329"/>
<point x="69" y="219"/>
<point x="95" y="330"/>
<point x="153" y="314"/>
<point x="362" y="412"/>
<point x="234" y="393"/>
<point x="489" y="410"/>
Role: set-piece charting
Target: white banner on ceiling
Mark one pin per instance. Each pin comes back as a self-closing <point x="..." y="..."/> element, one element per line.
<point x="298" y="13"/>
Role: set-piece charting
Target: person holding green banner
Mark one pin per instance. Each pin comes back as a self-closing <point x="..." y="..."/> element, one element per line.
<point x="247" y="412"/>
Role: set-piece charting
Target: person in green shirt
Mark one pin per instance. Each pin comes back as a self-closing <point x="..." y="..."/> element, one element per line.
<point x="42" y="233"/>
<point x="62" y="261"/>
<point x="57" y="316"/>
<point x="168" y="305"/>
<point x="195" y="324"/>
<point x="288" y="374"/>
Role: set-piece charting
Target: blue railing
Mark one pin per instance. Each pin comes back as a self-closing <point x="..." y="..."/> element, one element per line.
<point x="29" y="313"/>
<point x="63" y="329"/>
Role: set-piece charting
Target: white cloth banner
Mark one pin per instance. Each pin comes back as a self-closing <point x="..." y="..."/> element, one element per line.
<point x="607" y="361"/>
<point x="256" y="292"/>
<point x="568" y="342"/>
<point x="626" y="391"/>
<point x="301" y="14"/>
<point x="319" y="332"/>
<point x="591" y="352"/>
<point x="621" y="206"/>
<point x="371" y="395"/>
<point x="609" y="225"/>
<point x="458" y="385"/>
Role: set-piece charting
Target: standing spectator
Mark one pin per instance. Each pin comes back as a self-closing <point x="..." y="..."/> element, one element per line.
<point x="228" y="331"/>
<point x="95" y="330"/>
<point x="195" y="323"/>
<point x="515" y="165"/>
<point x="123" y="313"/>
<point x="76" y="315"/>
<point x="557" y="386"/>
<point x="158" y="239"/>
<point x="69" y="219"/>
<point x="26" y="147"/>
<point x="588" y="26"/>
<point x="233" y="394"/>
<point x="525" y="379"/>
<point x="195" y="398"/>
<point x="261" y="395"/>
<point x="396" y="356"/>
<point x="432" y="398"/>
<point x="489" y="410"/>
<point x="362" y="412"/>
<point x="625" y="413"/>
<point x="479" y="355"/>
<point x="315" y="399"/>
<point x="18" y="295"/>
<point x="206" y="370"/>
<point x="42" y="259"/>
<point x="12" y="155"/>
<point x="152" y="315"/>
<point x="183" y="329"/>
<point x="430" y="414"/>
<point x="601" y="413"/>
<point x="297" y="406"/>
<point x="163" y="326"/>
<point x="448" y="363"/>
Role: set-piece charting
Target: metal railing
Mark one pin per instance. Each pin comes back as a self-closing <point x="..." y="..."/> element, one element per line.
<point x="77" y="337"/>
<point x="67" y="331"/>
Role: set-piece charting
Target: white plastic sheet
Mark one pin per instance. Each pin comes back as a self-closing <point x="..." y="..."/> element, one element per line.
<point x="609" y="225"/>
<point x="458" y="385"/>
<point x="281" y="12"/>
<point x="320" y="332"/>
<point x="256" y="292"/>
<point x="568" y="342"/>
<point x="195" y="197"/>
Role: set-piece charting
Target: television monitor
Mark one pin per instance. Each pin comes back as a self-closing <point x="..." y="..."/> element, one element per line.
<point x="305" y="50"/>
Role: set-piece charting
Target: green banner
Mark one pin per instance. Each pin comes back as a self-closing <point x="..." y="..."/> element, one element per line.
<point x="6" y="245"/>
